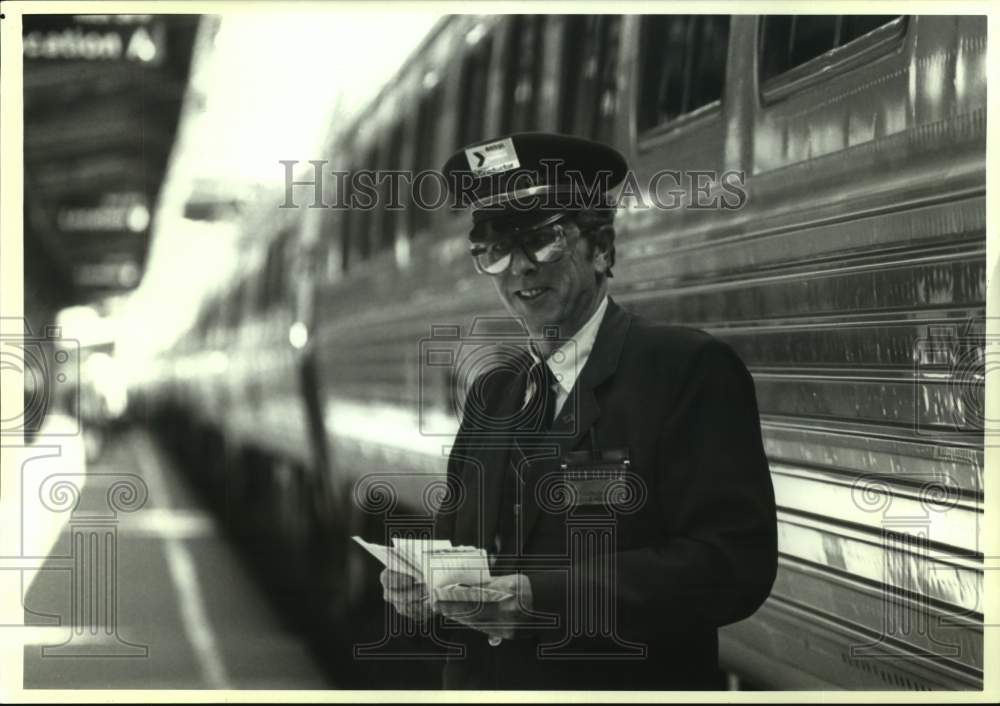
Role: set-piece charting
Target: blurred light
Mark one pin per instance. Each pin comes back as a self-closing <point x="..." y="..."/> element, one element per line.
<point x="101" y="372"/>
<point x="298" y="334"/>
<point x="474" y="35"/>
<point x="137" y="219"/>
<point x="141" y="46"/>
<point x="403" y="252"/>
<point x="934" y="82"/>
<point x="128" y="274"/>
<point x="390" y="426"/>
<point x="84" y="325"/>
<point x="218" y="362"/>
<point x="266" y="102"/>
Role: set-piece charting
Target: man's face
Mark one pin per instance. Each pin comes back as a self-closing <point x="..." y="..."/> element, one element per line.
<point x="563" y="293"/>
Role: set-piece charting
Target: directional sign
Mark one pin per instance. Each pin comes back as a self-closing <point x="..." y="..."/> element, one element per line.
<point x="108" y="38"/>
<point x="114" y="213"/>
<point x="117" y="275"/>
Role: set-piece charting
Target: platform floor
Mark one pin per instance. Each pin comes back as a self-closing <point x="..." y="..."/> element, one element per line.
<point x="139" y="588"/>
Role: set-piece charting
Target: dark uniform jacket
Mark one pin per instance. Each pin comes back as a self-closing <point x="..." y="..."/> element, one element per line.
<point x="629" y="591"/>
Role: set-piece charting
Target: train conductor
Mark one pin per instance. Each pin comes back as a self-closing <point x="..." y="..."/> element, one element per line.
<point x="614" y="470"/>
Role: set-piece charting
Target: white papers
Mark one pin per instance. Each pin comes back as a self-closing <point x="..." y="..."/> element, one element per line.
<point x="435" y="563"/>
<point x="392" y="559"/>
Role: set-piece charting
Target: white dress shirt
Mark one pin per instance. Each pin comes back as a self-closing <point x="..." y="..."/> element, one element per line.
<point x="568" y="360"/>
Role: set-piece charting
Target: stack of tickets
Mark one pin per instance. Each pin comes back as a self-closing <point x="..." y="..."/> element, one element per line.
<point x="452" y="573"/>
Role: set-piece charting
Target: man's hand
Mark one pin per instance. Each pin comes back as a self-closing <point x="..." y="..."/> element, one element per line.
<point x="407" y="596"/>
<point x="498" y="620"/>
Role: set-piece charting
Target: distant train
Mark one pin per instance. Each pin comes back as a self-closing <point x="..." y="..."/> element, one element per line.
<point x="852" y="282"/>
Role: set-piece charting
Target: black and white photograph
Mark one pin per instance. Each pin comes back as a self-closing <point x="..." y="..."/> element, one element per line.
<point x="537" y="352"/>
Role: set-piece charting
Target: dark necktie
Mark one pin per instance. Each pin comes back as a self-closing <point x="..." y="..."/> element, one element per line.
<point x="542" y="403"/>
<point x="538" y="412"/>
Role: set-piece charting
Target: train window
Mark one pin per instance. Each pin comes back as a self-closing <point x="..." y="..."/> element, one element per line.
<point x="428" y="118"/>
<point x="261" y="289"/>
<point x="790" y="44"/>
<point x="244" y="297"/>
<point x="365" y="214"/>
<point x="222" y="321"/>
<point x="268" y="293"/>
<point x="214" y="318"/>
<point x="390" y="161"/>
<point x="333" y="265"/>
<point x="589" y="75"/>
<point x="236" y="298"/>
<point x="475" y="76"/>
<point x="342" y="221"/>
<point x="683" y="65"/>
<point x="276" y="268"/>
<point x="522" y="73"/>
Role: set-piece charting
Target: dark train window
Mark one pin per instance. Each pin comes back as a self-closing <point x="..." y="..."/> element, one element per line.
<point x="589" y="75"/>
<point x="276" y="265"/>
<point x="244" y="295"/>
<point x="366" y="212"/>
<point x="344" y="221"/>
<point x="236" y="302"/>
<point x="270" y="278"/>
<point x="683" y="65"/>
<point x="348" y="222"/>
<point x="475" y="78"/>
<point x="522" y="73"/>
<point x="428" y="118"/>
<point x="789" y="41"/>
<point x="391" y="160"/>
<point x="262" y="295"/>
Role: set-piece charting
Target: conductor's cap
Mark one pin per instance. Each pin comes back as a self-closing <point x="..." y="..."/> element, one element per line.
<point x="527" y="179"/>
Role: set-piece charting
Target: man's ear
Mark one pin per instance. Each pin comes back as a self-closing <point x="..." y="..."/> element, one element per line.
<point x="600" y="260"/>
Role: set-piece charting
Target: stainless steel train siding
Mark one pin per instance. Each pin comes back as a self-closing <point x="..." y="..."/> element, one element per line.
<point x="852" y="282"/>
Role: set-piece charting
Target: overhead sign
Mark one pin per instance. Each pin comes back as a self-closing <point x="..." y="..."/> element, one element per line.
<point x="106" y="239"/>
<point x="116" y="213"/>
<point x="130" y="38"/>
<point x="107" y="275"/>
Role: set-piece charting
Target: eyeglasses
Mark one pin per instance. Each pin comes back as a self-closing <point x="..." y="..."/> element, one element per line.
<point x="544" y="245"/>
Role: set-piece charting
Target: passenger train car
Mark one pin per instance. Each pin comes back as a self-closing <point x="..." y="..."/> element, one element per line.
<point x="851" y="279"/>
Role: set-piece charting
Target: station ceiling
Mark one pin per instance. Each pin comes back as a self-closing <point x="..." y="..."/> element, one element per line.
<point x="102" y="97"/>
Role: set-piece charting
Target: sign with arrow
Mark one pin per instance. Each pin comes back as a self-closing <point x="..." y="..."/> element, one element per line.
<point x="493" y="157"/>
<point x="138" y="39"/>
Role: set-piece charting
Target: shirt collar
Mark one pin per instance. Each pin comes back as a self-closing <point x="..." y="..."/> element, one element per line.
<point x="568" y="360"/>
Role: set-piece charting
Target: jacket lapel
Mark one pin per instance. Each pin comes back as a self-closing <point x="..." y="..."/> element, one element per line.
<point x="580" y="412"/>
<point x="485" y="464"/>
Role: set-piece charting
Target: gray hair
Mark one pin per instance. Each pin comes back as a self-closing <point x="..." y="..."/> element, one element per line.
<point x="597" y="226"/>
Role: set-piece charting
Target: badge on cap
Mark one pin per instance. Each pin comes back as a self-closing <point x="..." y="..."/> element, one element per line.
<point x="493" y="157"/>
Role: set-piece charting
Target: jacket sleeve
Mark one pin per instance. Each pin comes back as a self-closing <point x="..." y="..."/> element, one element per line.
<point x="444" y="517"/>
<point x="717" y="559"/>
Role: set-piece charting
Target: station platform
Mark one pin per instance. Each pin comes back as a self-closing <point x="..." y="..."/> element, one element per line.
<point x="127" y="582"/>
